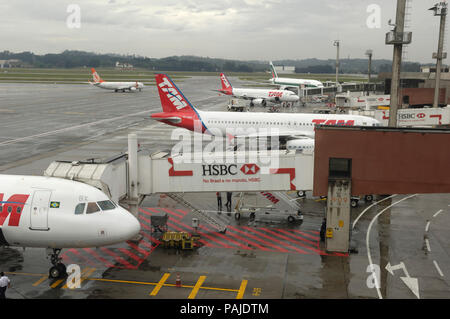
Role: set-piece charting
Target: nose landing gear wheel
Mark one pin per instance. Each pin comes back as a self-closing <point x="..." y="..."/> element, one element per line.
<point x="59" y="269"/>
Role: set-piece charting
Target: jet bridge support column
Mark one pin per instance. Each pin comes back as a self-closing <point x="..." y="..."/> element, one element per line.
<point x="132" y="193"/>
<point x="338" y="206"/>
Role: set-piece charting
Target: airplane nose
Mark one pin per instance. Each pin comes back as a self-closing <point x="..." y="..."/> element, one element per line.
<point x="130" y="227"/>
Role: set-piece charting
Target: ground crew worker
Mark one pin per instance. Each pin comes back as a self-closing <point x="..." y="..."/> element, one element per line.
<point x="4" y="283"/>
<point x="323" y="229"/>
<point x="228" y="203"/>
<point x="219" y="201"/>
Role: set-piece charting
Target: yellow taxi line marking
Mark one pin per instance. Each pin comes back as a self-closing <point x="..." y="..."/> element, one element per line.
<point x="87" y="274"/>
<point x="40" y="281"/>
<point x="160" y="284"/>
<point x="23" y="273"/>
<point x="240" y="294"/>
<point x="56" y="283"/>
<point x="199" y="283"/>
<point x="129" y="282"/>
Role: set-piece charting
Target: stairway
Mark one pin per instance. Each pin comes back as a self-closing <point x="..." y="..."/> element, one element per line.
<point x="220" y="225"/>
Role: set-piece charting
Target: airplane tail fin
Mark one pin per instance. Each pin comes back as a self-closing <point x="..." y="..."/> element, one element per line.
<point x="272" y="68"/>
<point x="226" y="85"/>
<point x="95" y="76"/>
<point x="172" y="100"/>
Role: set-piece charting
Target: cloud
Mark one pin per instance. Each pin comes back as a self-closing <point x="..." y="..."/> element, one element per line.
<point x="241" y="29"/>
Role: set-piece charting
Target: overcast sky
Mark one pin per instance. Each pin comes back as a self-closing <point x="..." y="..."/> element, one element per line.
<point x="233" y="29"/>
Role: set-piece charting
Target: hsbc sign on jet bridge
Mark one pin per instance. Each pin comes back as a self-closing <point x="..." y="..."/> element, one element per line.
<point x="276" y="170"/>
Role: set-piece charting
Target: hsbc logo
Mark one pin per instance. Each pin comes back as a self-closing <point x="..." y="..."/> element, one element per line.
<point x="12" y="207"/>
<point x="249" y="169"/>
<point x="232" y="169"/>
<point x="172" y="94"/>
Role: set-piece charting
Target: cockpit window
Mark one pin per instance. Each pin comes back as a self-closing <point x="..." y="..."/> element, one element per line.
<point x="92" y="208"/>
<point x="79" y="209"/>
<point x="106" y="205"/>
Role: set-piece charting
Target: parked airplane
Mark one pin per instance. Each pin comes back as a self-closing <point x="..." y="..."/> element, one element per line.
<point x="116" y="86"/>
<point x="54" y="213"/>
<point x="257" y="96"/>
<point x="290" y="82"/>
<point x="297" y="129"/>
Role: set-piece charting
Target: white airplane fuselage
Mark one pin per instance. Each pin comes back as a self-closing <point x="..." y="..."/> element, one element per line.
<point x="48" y="212"/>
<point x="268" y="95"/>
<point x="289" y="82"/>
<point x="131" y="86"/>
<point x="245" y="123"/>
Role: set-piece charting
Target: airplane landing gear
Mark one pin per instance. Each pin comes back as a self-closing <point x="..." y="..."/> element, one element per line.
<point x="59" y="269"/>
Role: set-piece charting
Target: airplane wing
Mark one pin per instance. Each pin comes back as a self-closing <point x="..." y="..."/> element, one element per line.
<point x="173" y="119"/>
<point x="282" y="134"/>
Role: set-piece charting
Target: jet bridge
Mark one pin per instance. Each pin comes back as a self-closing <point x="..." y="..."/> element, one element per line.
<point x="127" y="178"/>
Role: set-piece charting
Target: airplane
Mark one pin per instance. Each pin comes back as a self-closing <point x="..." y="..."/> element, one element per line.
<point x="297" y="129"/>
<point x="116" y="86"/>
<point x="55" y="213"/>
<point x="290" y="82"/>
<point x="257" y="96"/>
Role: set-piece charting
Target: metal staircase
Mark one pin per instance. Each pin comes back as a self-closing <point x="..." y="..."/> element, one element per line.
<point x="220" y="225"/>
<point x="291" y="202"/>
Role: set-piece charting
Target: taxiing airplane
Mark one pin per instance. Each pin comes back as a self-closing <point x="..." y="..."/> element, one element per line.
<point x="297" y="129"/>
<point x="291" y="82"/>
<point x="116" y="86"/>
<point x="54" y="213"/>
<point x="257" y="96"/>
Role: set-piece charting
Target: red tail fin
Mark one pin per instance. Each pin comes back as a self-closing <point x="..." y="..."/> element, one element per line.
<point x="226" y="85"/>
<point x="172" y="100"/>
<point x="95" y="76"/>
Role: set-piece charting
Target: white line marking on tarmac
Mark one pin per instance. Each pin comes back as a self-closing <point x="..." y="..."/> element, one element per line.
<point x="70" y="128"/>
<point x="427" y="226"/>
<point x="437" y="213"/>
<point x="438" y="268"/>
<point x="365" y="210"/>
<point x="428" y="244"/>
<point x="368" y="237"/>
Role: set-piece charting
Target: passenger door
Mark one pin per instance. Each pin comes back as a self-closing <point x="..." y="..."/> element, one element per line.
<point x="39" y="210"/>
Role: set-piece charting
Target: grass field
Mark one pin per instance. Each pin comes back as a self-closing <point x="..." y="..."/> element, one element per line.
<point x="83" y="75"/>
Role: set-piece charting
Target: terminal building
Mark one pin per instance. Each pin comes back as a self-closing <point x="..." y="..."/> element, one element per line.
<point x="417" y="88"/>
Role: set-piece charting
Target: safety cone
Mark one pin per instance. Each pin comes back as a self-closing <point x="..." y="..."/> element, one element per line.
<point x="178" y="281"/>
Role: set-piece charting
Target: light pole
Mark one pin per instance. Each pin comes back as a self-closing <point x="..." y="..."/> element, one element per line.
<point x="440" y="9"/>
<point x="336" y="44"/>
<point x="369" y="54"/>
<point x="397" y="37"/>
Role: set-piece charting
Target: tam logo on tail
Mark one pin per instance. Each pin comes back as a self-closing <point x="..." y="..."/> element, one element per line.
<point x="225" y="82"/>
<point x="172" y="93"/>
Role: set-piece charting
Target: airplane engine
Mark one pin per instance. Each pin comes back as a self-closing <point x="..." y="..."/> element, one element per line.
<point x="303" y="144"/>
<point x="132" y="88"/>
<point x="258" y="101"/>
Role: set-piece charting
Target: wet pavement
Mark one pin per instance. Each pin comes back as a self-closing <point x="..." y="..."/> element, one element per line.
<point x="252" y="260"/>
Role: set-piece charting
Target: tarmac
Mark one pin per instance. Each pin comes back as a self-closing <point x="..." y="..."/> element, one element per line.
<point x="252" y="260"/>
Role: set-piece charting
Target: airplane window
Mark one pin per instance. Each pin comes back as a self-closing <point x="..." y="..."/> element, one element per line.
<point x="9" y="209"/>
<point x="106" y="205"/>
<point x="92" y="208"/>
<point x="79" y="209"/>
<point x="18" y="210"/>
